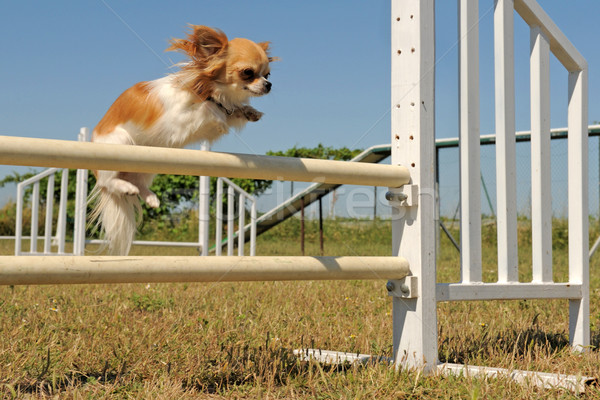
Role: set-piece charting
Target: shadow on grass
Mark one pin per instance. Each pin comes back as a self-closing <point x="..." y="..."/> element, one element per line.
<point x="514" y="343"/>
<point x="232" y="366"/>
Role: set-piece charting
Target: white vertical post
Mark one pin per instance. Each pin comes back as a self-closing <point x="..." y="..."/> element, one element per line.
<point x="48" y="222"/>
<point x="203" y="208"/>
<point x="506" y="198"/>
<point x="579" y="309"/>
<point x="241" y="223"/>
<point x="230" y="204"/>
<point x="413" y="145"/>
<point x="62" y="211"/>
<point x="35" y="208"/>
<point x="81" y="191"/>
<point x="253" y="228"/>
<point x="470" y="170"/>
<point x="19" y="217"/>
<point x="541" y="194"/>
<point x="219" y="218"/>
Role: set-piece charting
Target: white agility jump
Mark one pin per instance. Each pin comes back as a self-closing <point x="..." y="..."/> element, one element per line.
<point x="411" y="179"/>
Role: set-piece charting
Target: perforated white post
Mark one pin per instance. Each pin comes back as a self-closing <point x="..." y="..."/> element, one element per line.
<point x="413" y="146"/>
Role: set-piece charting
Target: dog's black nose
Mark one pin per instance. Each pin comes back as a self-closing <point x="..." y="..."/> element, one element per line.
<point x="267" y="86"/>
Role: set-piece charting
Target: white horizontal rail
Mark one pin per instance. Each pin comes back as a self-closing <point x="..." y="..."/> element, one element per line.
<point x="491" y="138"/>
<point x="561" y="47"/>
<point x="39" y="176"/>
<point x="238" y="189"/>
<point x="39" y="270"/>
<point x="507" y="291"/>
<point x="336" y="357"/>
<point x="148" y="243"/>
<point x="99" y="156"/>
<point x="575" y="383"/>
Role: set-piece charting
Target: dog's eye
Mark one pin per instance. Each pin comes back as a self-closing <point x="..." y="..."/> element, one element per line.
<point x="267" y="75"/>
<point x="247" y="74"/>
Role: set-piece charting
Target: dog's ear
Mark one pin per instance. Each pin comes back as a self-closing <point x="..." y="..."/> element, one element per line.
<point x="266" y="46"/>
<point x="201" y="43"/>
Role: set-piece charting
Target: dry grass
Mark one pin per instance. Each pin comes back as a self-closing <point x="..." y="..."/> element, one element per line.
<point x="234" y="340"/>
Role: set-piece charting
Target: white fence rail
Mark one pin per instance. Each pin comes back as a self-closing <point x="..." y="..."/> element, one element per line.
<point x="242" y="198"/>
<point x="545" y="38"/>
<point x="60" y="236"/>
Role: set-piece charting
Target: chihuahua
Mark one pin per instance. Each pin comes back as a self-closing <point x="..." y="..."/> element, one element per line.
<point x="202" y="101"/>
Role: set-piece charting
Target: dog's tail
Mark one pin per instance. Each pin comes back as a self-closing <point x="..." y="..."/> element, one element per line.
<point x="115" y="215"/>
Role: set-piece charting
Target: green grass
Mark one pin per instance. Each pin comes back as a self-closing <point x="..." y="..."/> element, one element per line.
<point x="235" y="340"/>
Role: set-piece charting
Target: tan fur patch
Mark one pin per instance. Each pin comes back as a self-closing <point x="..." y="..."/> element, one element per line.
<point x="137" y="105"/>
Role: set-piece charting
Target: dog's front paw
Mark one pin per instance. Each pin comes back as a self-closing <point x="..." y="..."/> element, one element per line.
<point x="251" y="114"/>
<point x="124" y="187"/>
<point x="152" y="201"/>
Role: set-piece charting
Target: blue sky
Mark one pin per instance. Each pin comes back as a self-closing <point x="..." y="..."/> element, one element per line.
<point x="64" y="63"/>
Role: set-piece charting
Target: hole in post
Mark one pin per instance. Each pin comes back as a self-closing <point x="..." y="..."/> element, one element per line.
<point x="412" y="165"/>
<point x="411" y="137"/>
<point x="397" y="137"/>
<point x="399" y="51"/>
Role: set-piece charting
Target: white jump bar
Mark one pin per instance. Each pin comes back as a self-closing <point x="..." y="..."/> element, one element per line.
<point x="99" y="156"/>
<point x="39" y="270"/>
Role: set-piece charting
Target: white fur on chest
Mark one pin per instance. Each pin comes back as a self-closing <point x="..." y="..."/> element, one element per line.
<point x="184" y="120"/>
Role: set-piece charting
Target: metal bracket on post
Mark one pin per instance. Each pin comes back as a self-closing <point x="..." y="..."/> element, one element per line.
<point x="404" y="196"/>
<point x="407" y="288"/>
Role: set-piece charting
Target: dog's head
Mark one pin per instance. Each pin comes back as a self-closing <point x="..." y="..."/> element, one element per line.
<point x="237" y="69"/>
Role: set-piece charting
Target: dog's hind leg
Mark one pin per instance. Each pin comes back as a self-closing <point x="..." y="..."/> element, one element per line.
<point x="142" y="182"/>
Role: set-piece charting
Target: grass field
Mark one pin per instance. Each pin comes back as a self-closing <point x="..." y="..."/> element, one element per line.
<point x="235" y="340"/>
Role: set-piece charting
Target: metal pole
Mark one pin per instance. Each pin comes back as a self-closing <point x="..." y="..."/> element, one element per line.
<point x="374" y="203"/>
